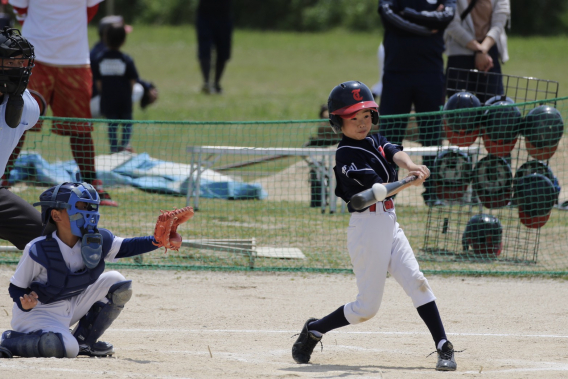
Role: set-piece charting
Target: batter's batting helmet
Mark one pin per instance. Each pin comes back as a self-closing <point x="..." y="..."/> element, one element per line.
<point x="502" y="123"/>
<point x="17" y="60"/>
<point x="492" y="179"/>
<point x="535" y="195"/>
<point x="483" y="234"/>
<point x="462" y="128"/>
<point x="543" y="128"/>
<point x="452" y="174"/>
<point x="348" y="98"/>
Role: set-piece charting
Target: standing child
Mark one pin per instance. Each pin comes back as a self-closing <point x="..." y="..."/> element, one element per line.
<point x="115" y="75"/>
<point x="375" y="241"/>
<point x="60" y="279"/>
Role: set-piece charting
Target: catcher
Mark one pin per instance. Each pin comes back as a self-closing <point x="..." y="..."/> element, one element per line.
<point x="60" y="279"/>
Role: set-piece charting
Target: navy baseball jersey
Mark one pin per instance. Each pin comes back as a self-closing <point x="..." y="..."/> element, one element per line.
<point x="362" y="163"/>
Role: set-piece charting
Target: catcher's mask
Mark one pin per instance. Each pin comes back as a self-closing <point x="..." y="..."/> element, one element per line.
<point x="543" y="128"/>
<point x="483" y="234"/>
<point x="502" y="123"/>
<point x="452" y="174"/>
<point x="348" y="98"/>
<point x="535" y="195"/>
<point x="83" y="222"/>
<point x="492" y="179"/>
<point x="16" y="63"/>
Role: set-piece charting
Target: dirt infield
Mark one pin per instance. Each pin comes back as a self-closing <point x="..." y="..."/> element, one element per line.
<point x="239" y="325"/>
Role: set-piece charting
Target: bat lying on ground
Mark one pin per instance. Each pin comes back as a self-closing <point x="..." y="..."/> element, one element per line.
<point x="378" y="192"/>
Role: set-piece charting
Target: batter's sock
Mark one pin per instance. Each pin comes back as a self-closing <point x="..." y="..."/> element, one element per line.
<point x="429" y="313"/>
<point x="334" y="320"/>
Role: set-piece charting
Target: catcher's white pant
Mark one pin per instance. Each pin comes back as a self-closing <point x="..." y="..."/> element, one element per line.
<point x="376" y="244"/>
<point x="57" y="317"/>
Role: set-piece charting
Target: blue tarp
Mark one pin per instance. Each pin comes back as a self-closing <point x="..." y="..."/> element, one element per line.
<point x="137" y="170"/>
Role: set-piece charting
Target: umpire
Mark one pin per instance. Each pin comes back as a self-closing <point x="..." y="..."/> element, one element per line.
<point x="414" y="71"/>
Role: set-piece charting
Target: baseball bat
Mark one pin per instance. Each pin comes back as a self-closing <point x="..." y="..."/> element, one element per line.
<point x="376" y="193"/>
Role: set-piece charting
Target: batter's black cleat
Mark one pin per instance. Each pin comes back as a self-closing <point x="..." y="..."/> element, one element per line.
<point x="305" y="344"/>
<point x="99" y="349"/>
<point x="446" y="361"/>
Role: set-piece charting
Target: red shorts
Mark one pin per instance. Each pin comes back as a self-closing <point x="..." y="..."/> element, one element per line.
<point x="67" y="90"/>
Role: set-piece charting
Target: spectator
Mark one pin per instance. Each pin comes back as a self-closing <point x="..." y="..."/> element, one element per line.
<point x="114" y="74"/>
<point x="145" y="92"/>
<point x="214" y="28"/>
<point x="476" y="39"/>
<point x="62" y="73"/>
<point x="414" y="71"/>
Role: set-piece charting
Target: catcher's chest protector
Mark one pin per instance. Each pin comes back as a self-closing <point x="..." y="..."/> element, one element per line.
<point x="62" y="283"/>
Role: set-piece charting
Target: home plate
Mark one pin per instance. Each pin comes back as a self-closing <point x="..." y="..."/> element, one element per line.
<point x="279" y="252"/>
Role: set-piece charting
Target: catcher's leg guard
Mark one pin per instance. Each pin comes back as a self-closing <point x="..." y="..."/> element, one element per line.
<point x="38" y="344"/>
<point x="99" y="318"/>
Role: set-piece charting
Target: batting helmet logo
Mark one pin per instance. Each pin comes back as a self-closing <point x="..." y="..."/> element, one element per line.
<point x="356" y="95"/>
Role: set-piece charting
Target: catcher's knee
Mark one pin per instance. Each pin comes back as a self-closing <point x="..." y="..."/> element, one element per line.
<point x="120" y="293"/>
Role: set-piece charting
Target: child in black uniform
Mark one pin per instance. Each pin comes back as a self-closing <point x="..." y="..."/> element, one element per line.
<point x="375" y="241"/>
<point x="114" y="74"/>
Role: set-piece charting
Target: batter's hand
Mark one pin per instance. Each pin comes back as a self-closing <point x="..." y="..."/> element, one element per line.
<point x="420" y="171"/>
<point x="29" y="301"/>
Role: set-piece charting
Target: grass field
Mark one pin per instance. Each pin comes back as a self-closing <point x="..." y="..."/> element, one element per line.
<point x="286" y="76"/>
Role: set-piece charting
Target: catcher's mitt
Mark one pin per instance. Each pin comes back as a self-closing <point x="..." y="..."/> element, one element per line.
<point x="165" y="233"/>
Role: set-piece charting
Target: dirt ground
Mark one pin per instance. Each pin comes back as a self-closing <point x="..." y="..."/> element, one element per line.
<point x="240" y="325"/>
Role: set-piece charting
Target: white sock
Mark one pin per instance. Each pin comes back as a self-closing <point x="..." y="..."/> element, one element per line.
<point x="441" y="343"/>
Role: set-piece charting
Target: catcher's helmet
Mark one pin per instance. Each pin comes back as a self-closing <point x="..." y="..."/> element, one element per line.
<point x="483" y="234"/>
<point x="535" y="195"/>
<point x="348" y="98"/>
<point x="502" y="124"/>
<point x="17" y="60"/>
<point x="543" y="128"/>
<point x="452" y="174"/>
<point x="66" y="196"/>
<point x="492" y="179"/>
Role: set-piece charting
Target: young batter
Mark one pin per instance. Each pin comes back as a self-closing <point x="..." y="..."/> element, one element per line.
<point x="375" y="241"/>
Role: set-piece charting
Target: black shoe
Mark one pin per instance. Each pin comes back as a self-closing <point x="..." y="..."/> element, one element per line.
<point x="446" y="361"/>
<point x="98" y="349"/>
<point x="218" y="89"/>
<point x="5" y="353"/>
<point x="305" y="344"/>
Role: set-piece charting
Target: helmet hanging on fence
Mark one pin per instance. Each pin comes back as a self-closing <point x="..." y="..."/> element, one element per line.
<point x="462" y="128"/>
<point x="501" y="125"/>
<point x="483" y="234"/>
<point x="452" y="174"/>
<point x="543" y="129"/>
<point x="492" y="179"/>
